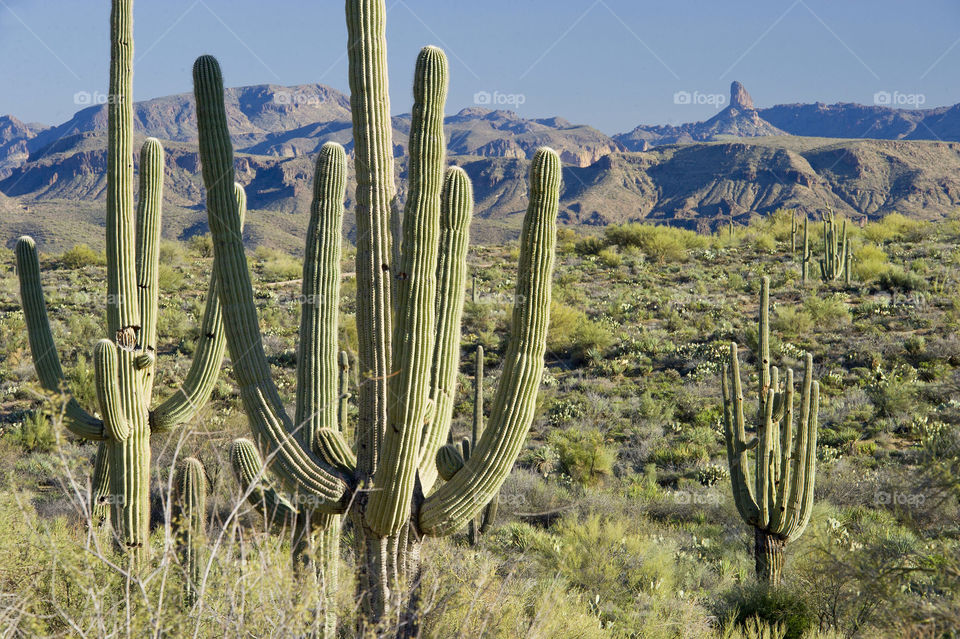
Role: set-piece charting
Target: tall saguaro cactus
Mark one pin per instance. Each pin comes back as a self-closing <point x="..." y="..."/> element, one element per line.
<point x="408" y="346"/>
<point x="124" y="363"/>
<point x="778" y="501"/>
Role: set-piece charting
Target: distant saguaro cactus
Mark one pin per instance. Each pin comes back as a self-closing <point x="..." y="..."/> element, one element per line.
<point x="835" y="260"/>
<point x="125" y="362"/>
<point x="778" y="502"/>
<point x="408" y="346"/>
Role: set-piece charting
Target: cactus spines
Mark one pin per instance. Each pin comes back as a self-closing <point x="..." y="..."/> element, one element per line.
<point x="409" y="305"/>
<point x="456" y="210"/>
<point x="190" y="522"/>
<point x="124" y="363"/>
<point x="779" y="501"/>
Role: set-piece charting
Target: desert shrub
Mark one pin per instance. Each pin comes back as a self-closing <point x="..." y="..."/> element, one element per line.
<point x="35" y="433"/>
<point x="791" y="321"/>
<point x="81" y="256"/>
<point x="659" y="243"/>
<point x="276" y="266"/>
<point x="869" y="261"/>
<point x="828" y="312"/>
<point x="573" y="334"/>
<point x="584" y="455"/>
<point x="202" y="245"/>
<point x="169" y="278"/>
<point x="775" y="606"/>
<point x="896" y="279"/>
<point x="894" y="228"/>
<point x="610" y="258"/>
<point x="589" y="245"/>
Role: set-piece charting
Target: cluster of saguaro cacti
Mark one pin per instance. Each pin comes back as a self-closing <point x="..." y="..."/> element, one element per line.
<point x="836" y="257"/>
<point x="777" y="502"/>
<point x="190" y="522"/>
<point x="452" y="456"/>
<point x="408" y="345"/>
<point x="124" y="363"/>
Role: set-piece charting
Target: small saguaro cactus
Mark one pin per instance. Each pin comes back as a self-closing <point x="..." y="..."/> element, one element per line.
<point x="482" y="524"/>
<point x="834" y="263"/>
<point x="408" y="346"/>
<point x="190" y="522"/>
<point x="794" y="228"/>
<point x="778" y="501"/>
<point x="805" y="259"/>
<point x="124" y="363"/>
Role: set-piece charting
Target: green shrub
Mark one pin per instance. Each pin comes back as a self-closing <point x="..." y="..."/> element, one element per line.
<point x="35" y="433"/>
<point x="659" y="243"/>
<point x="589" y="246"/>
<point x="828" y="312"/>
<point x="869" y="261"/>
<point x="791" y="321"/>
<point x="202" y="245"/>
<point x="573" y="334"/>
<point x="81" y="256"/>
<point x="894" y="228"/>
<point x="169" y="278"/>
<point x="775" y="606"/>
<point x="583" y="455"/>
<point x="610" y="258"/>
<point x="895" y="279"/>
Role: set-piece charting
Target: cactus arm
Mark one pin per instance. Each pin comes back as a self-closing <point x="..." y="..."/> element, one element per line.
<point x="42" y="347"/>
<point x="272" y="426"/>
<point x="123" y="314"/>
<point x="765" y="483"/>
<point x="415" y="331"/>
<point x="783" y="480"/>
<point x="190" y="522"/>
<point x="343" y="409"/>
<point x="809" y="467"/>
<point x="107" y="378"/>
<point x="462" y="498"/>
<point x="737" y="446"/>
<point x="99" y="507"/>
<point x="798" y="455"/>
<point x="456" y="211"/>
<point x="149" y="212"/>
<point x="197" y="386"/>
<point x="248" y="469"/>
<point x="317" y="371"/>
<point x="763" y="362"/>
<point x="334" y="450"/>
<point x="372" y="132"/>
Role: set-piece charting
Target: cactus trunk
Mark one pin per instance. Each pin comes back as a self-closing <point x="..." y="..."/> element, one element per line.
<point x="768" y="557"/>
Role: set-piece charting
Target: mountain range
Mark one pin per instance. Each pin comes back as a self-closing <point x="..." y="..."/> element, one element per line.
<point x="863" y="161"/>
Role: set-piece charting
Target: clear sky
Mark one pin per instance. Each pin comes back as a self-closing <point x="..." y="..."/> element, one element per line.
<point x="609" y="63"/>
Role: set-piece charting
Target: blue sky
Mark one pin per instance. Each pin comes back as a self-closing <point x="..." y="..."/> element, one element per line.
<point x="610" y="63"/>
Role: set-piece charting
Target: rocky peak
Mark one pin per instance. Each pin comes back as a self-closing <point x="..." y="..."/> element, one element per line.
<point x="739" y="98"/>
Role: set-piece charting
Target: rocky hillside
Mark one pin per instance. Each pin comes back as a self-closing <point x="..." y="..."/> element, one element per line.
<point x="733" y="166"/>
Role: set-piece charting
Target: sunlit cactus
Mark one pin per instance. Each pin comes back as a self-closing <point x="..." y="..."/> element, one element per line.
<point x="410" y="293"/>
<point x="778" y="501"/>
<point x="125" y="362"/>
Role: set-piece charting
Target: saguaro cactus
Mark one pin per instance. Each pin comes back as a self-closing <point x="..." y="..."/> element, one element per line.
<point x="484" y="522"/>
<point x="834" y="263"/>
<point x="125" y="362"/>
<point x="190" y="522"/>
<point x="409" y="347"/>
<point x="778" y="502"/>
<point x="805" y="267"/>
